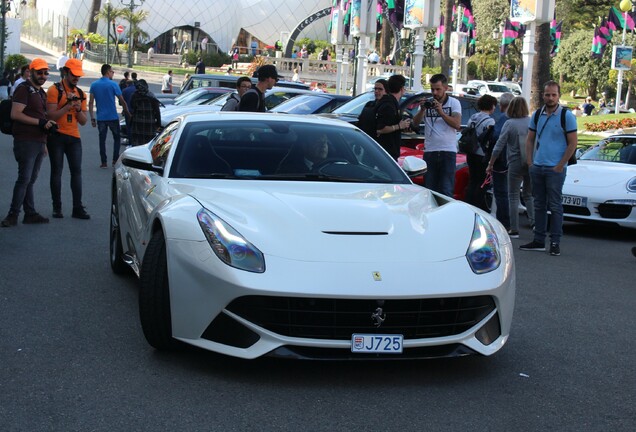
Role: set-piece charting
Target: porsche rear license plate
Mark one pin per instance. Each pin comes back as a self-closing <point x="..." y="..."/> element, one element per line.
<point x="575" y="201"/>
<point x="376" y="343"/>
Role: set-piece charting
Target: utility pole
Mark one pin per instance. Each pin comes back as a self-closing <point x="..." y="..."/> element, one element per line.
<point x="131" y="5"/>
<point x="4" y="8"/>
<point x="108" y="10"/>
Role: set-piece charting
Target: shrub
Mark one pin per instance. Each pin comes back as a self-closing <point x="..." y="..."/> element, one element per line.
<point x="15" y="62"/>
<point x="611" y="124"/>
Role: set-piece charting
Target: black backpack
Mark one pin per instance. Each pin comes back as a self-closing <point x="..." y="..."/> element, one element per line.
<point x="537" y="114"/>
<point x="469" y="141"/>
<point x="6" y="122"/>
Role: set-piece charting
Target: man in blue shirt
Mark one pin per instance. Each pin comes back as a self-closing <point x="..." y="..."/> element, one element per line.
<point x="103" y="94"/>
<point x="548" y="149"/>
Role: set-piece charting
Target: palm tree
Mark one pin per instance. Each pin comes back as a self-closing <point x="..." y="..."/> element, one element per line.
<point x="111" y="13"/>
<point x="541" y="68"/>
<point x="92" y="23"/>
<point x="135" y="19"/>
<point x="447" y="62"/>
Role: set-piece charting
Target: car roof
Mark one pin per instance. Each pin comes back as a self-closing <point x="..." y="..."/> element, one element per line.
<point x="280" y="117"/>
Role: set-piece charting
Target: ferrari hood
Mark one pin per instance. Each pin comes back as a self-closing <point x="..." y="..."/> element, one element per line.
<point x="352" y="223"/>
<point x="596" y="174"/>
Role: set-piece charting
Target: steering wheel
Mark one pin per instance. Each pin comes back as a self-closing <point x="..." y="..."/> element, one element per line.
<point x="329" y="161"/>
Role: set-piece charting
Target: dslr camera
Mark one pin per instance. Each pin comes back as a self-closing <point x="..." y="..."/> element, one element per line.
<point x="428" y="103"/>
<point x="73" y="97"/>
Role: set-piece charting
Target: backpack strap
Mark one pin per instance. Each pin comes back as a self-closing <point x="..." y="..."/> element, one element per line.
<point x="60" y="88"/>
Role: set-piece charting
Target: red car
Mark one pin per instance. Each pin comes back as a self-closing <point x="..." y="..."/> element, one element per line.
<point x="461" y="169"/>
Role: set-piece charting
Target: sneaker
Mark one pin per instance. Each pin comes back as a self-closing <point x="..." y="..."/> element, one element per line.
<point x="10" y="220"/>
<point x="533" y="246"/>
<point x="80" y="213"/>
<point x="513" y="234"/>
<point x="57" y="213"/>
<point x="104" y="165"/>
<point x="555" y="250"/>
<point x="35" y="218"/>
<point x="634" y="251"/>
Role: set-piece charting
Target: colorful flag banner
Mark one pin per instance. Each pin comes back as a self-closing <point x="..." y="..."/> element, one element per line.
<point x="617" y="19"/>
<point x="555" y="36"/>
<point x="439" y="34"/>
<point x="512" y="31"/>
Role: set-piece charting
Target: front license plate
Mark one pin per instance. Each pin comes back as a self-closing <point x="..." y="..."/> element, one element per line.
<point x="376" y="343"/>
<point x="575" y="201"/>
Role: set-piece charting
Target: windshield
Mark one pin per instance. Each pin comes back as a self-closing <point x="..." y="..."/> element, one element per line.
<point x="189" y="96"/>
<point x="613" y="149"/>
<point x="499" y="88"/>
<point x="281" y="150"/>
<point x="355" y="105"/>
<point x="303" y="104"/>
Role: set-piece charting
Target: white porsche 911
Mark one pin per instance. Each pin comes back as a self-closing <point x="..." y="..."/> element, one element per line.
<point x="601" y="187"/>
<point x="296" y="236"/>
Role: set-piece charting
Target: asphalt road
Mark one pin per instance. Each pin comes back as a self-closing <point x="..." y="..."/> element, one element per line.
<point x="73" y="357"/>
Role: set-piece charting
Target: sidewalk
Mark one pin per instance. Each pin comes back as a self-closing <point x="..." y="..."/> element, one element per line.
<point x="87" y="65"/>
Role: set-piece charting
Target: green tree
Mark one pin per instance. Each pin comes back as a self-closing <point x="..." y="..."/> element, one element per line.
<point x="135" y="19"/>
<point x="575" y="64"/>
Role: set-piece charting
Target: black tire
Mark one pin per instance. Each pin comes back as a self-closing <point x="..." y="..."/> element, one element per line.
<point x="154" y="295"/>
<point x="117" y="263"/>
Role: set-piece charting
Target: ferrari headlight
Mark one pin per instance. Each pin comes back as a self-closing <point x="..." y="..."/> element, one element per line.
<point x="631" y="185"/>
<point x="229" y="245"/>
<point x="483" y="253"/>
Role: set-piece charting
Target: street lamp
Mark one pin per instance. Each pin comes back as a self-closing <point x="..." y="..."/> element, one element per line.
<point x="108" y="11"/>
<point x="131" y="5"/>
<point x="498" y="33"/>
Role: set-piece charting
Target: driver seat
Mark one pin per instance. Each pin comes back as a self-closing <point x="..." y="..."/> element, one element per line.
<point x="203" y="159"/>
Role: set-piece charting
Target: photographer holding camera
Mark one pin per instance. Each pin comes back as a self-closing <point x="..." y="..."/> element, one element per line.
<point x="66" y="104"/>
<point x="443" y="117"/>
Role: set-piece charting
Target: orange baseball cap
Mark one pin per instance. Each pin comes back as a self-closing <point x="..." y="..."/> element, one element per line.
<point x="38" y="64"/>
<point x="75" y="66"/>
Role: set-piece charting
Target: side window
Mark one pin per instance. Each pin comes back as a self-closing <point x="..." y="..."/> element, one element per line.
<point x="162" y="145"/>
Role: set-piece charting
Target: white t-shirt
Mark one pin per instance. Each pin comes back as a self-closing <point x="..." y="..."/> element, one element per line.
<point x="438" y="135"/>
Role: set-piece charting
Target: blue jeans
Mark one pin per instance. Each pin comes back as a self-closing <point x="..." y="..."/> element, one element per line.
<point x="547" y="186"/>
<point x="440" y="171"/>
<point x="500" y="190"/>
<point x="29" y="155"/>
<point x="518" y="173"/>
<point x="60" y="145"/>
<point x="102" y="127"/>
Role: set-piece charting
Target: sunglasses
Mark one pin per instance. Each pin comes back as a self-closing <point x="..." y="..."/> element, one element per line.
<point x="42" y="72"/>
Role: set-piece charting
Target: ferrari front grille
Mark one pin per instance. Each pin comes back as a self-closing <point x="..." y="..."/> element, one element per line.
<point x="338" y="319"/>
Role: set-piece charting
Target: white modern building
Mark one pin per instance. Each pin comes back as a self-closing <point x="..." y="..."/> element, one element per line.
<point x="220" y="20"/>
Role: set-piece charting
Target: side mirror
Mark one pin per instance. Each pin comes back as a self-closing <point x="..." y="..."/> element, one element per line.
<point x="414" y="166"/>
<point x="139" y="158"/>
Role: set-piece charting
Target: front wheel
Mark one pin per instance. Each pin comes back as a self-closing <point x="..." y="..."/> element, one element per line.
<point x="117" y="263"/>
<point x="154" y="295"/>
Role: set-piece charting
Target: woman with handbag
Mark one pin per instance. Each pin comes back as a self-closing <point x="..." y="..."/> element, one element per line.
<point x="513" y="139"/>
